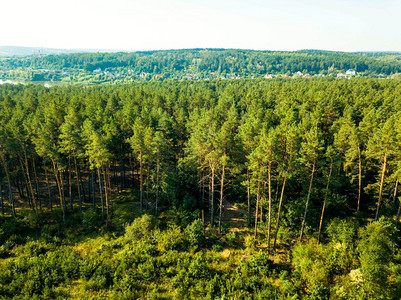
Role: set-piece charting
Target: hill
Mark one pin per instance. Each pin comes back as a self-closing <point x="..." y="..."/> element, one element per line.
<point x="195" y="64"/>
<point x="8" y="51"/>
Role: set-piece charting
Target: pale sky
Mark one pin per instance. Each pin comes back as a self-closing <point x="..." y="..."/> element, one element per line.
<point x="344" y="25"/>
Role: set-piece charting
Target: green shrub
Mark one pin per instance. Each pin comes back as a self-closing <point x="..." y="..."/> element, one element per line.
<point x="91" y="221"/>
<point x="376" y="253"/>
<point x="194" y="233"/>
<point x="310" y="262"/>
<point x="171" y="239"/>
<point x="258" y="264"/>
<point x="139" y="228"/>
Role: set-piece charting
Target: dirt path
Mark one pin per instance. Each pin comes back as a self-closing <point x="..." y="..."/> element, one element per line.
<point x="234" y="215"/>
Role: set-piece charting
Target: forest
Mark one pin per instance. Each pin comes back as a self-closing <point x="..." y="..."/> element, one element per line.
<point x="123" y="67"/>
<point x="222" y="189"/>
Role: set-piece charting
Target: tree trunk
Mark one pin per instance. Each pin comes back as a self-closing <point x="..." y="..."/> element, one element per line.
<point x="221" y="197"/>
<point x="395" y="190"/>
<point x="36" y="183"/>
<point x="257" y="209"/>
<point x="307" y="200"/>
<point x="48" y="190"/>
<point x="70" y="182"/>
<point x="324" y="201"/>
<point x="359" y="178"/>
<point x="62" y="190"/>
<point x="279" y="211"/>
<point x="157" y="179"/>
<point x="101" y="192"/>
<point x="147" y="186"/>
<point x="10" y="192"/>
<point x="270" y="205"/>
<point x="25" y="182"/>
<point x="106" y="196"/>
<point x="381" y="184"/>
<point x="93" y="190"/>
<point x="55" y="170"/>
<point x="78" y="184"/>
<point x="399" y="209"/>
<point x="212" y="196"/>
<point x="109" y="189"/>
<point x="141" y="180"/>
<point x="248" y="190"/>
<point x="1" y="200"/>
<point x="30" y="183"/>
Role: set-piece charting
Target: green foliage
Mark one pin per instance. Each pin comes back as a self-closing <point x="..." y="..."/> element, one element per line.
<point x="171" y="239"/>
<point x="376" y="247"/>
<point x="310" y="263"/>
<point x="140" y="228"/>
<point x="194" y="233"/>
<point x="91" y="220"/>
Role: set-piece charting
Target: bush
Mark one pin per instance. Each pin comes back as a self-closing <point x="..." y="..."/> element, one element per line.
<point x="343" y="231"/>
<point x="171" y="239"/>
<point x="259" y="264"/>
<point x="139" y="228"/>
<point x="310" y="262"/>
<point x="194" y="233"/>
<point x="376" y="253"/>
<point x="91" y="221"/>
<point x="8" y="228"/>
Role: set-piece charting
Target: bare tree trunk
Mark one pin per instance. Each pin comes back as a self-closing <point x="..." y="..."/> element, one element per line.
<point x="279" y="211"/>
<point x="141" y="180"/>
<point x="25" y="182"/>
<point x="109" y="188"/>
<point x="55" y="170"/>
<point x="257" y="209"/>
<point x="157" y="179"/>
<point x="147" y="186"/>
<point x="212" y="196"/>
<point x="1" y="199"/>
<point x="270" y="205"/>
<point x="70" y="182"/>
<point x="30" y="182"/>
<point x="359" y="178"/>
<point x="62" y="190"/>
<point x="325" y="200"/>
<point x="101" y="192"/>
<point x="221" y="197"/>
<point x="399" y="208"/>
<point x="395" y="190"/>
<point x="93" y="189"/>
<point x="106" y="196"/>
<point x="48" y="190"/>
<point x="78" y="183"/>
<point x="381" y="184"/>
<point x="10" y="192"/>
<point x="248" y="189"/>
<point x="307" y="200"/>
<point x="36" y="182"/>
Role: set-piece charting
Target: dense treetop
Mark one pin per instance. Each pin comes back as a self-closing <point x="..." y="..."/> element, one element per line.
<point x="313" y="164"/>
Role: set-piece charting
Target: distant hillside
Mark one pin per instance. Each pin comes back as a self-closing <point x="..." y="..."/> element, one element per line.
<point x="195" y="64"/>
<point x="25" y="51"/>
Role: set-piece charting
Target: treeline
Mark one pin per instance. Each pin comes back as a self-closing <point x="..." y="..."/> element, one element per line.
<point x="292" y="152"/>
<point x="176" y="63"/>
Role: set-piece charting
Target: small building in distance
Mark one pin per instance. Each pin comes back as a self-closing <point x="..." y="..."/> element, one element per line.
<point x="349" y="73"/>
<point x="269" y="76"/>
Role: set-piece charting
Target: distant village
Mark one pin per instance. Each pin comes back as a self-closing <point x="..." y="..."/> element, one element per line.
<point x="125" y="75"/>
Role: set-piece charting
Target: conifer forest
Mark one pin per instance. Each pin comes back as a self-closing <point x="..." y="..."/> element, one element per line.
<point x="190" y="189"/>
